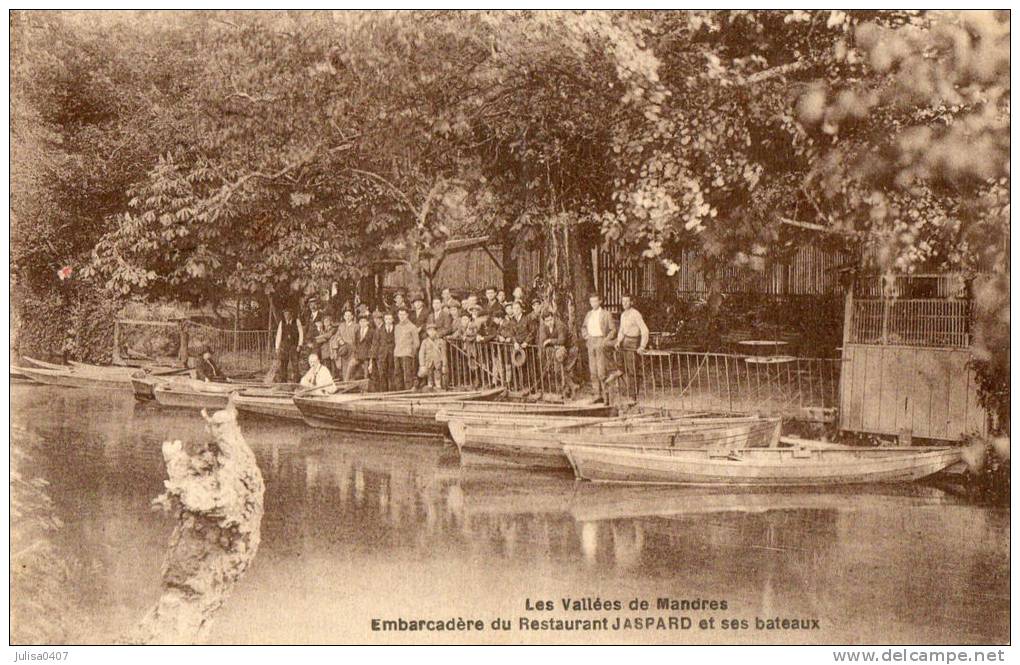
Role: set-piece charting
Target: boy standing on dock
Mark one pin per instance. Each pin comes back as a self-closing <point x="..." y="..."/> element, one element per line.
<point x="432" y="358"/>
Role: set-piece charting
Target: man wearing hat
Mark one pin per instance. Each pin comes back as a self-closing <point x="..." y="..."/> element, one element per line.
<point x="342" y="345"/>
<point x="419" y="314"/>
<point x="382" y="355"/>
<point x="206" y="369"/>
<point x="399" y="301"/>
<point x="405" y="351"/>
<point x="290" y="335"/>
<point x="362" y="350"/>
<point x="314" y="315"/>
<point x="432" y="358"/>
<point x="552" y="342"/>
<point x="598" y="331"/>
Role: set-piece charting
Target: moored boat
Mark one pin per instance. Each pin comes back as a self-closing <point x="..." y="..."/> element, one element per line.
<point x="193" y="394"/>
<point x="121" y="371"/>
<point x="793" y="466"/>
<point x="525" y="444"/>
<point x="42" y="364"/>
<point x="411" y="414"/>
<point x="143" y="383"/>
<point x="19" y="376"/>
<point x="514" y="409"/>
<point x="279" y="403"/>
<point x="69" y="378"/>
<point x="456" y="422"/>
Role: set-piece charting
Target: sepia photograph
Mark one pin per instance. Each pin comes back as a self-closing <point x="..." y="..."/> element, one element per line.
<point x="510" y="327"/>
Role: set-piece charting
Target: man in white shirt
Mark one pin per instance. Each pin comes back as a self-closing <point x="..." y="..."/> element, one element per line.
<point x="631" y="341"/>
<point x="598" y="331"/>
<point x="317" y="376"/>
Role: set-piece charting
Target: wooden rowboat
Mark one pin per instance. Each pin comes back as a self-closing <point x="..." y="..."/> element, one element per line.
<point x="795" y="466"/>
<point x="613" y="501"/>
<point x="457" y="422"/>
<point x="408" y="414"/>
<point x="514" y="409"/>
<point x="728" y="432"/>
<point x="144" y="383"/>
<point x="524" y="444"/>
<point x="194" y="394"/>
<point x="118" y="371"/>
<point x="279" y="403"/>
<point x="18" y="376"/>
<point x="71" y="379"/>
<point x="42" y="364"/>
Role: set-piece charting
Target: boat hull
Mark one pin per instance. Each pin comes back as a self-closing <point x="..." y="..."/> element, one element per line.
<point x="528" y="445"/>
<point x="513" y="446"/>
<point x="143" y="387"/>
<point x="409" y="416"/>
<point x="180" y="398"/>
<point x="275" y="407"/>
<point x="768" y="467"/>
<point x="72" y="379"/>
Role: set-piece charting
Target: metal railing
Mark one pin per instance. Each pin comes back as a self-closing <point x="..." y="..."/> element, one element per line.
<point x="770" y="385"/>
<point x="235" y="350"/>
<point x="914" y="322"/>
<point x="492" y="364"/>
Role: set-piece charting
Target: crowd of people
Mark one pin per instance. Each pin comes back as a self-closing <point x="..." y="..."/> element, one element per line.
<point x="402" y="344"/>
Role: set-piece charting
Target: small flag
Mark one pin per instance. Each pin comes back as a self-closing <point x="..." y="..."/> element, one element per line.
<point x="64" y="273"/>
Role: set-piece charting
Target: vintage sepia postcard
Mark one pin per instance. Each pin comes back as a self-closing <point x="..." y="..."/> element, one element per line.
<point x="499" y="327"/>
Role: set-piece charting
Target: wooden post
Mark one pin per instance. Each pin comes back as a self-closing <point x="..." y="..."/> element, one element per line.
<point x="885" y="321"/>
<point x="848" y="314"/>
<point x="116" y="344"/>
<point x="182" y="352"/>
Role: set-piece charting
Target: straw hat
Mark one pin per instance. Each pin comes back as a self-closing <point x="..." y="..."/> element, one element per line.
<point x="519" y="357"/>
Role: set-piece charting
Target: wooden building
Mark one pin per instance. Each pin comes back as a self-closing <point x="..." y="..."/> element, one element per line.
<point x="810" y="271"/>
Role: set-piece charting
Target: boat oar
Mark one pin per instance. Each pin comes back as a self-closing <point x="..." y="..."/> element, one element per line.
<point x="308" y="391"/>
<point x="332" y="384"/>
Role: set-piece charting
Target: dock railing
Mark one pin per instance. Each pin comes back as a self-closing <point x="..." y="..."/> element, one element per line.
<point x="792" y="387"/>
<point x="236" y="351"/>
<point x="492" y="364"/>
<point x="785" y="386"/>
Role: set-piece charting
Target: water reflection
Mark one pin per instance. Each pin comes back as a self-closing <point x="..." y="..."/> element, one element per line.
<point x="362" y="527"/>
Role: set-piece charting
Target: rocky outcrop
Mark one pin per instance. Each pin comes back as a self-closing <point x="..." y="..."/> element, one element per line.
<point x="215" y="490"/>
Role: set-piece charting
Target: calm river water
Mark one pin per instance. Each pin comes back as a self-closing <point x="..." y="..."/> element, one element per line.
<point x="358" y="528"/>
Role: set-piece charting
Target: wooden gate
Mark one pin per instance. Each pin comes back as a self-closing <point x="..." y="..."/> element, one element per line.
<point x="928" y="392"/>
<point x="906" y="365"/>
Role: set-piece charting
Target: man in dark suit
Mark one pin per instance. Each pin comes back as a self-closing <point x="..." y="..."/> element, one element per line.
<point x="419" y="314"/>
<point x="382" y="355"/>
<point x="364" y="349"/>
<point x="552" y="340"/>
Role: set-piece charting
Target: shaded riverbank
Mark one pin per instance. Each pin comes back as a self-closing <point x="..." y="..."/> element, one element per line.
<point x="357" y="528"/>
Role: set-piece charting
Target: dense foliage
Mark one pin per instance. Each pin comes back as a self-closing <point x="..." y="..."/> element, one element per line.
<point x="206" y="154"/>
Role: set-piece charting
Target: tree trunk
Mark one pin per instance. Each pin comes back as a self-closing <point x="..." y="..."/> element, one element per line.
<point x="215" y="489"/>
<point x="510" y="274"/>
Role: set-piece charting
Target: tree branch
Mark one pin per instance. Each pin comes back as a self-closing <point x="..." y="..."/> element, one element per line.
<point x="396" y="190"/>
<point x="779" y="70"/>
